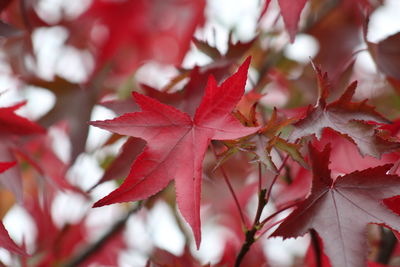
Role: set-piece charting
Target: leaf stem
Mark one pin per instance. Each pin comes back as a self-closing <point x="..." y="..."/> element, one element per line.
<point x="269" y="227"/>
<point x="276" y="178"/>
<point x="291" y="205"/>
<point x="273" y="215"/>
<point x="230" y="187"/>
<point x="260" y="206"/>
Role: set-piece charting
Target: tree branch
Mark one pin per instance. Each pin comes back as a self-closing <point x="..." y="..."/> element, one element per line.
<point x="117" y="227"/>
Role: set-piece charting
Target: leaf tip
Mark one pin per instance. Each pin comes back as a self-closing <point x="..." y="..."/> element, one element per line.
<point x="4" y="166"/>
<point x="98" y="124"/>
<point x="323" y="84"/>
<point x="99" y="203"/>
<point x="103" y="202"/>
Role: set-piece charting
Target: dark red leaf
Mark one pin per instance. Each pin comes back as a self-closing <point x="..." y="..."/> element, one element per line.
<point x="351" y="119"/>
<point x="11" y="123"/>
<point x="339" y="210"/>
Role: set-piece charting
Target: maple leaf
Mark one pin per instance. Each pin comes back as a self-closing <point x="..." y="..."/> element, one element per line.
<point x="310" y="259"/>
<point x="343" y="21"/>
<point x="155" y="29"/>
<point x="186" y="100"/>
<point x="176" y="144"/>
<point x="345" y="156"/>
<point x="357" y="121"/>
<point x="339" y="210"/>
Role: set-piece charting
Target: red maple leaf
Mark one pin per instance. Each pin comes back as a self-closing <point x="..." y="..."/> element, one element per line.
<point x="357" y="121"/>
<point x="186" y="100"/>
<point x="339" y="210"/>
<point x="176" y="144"/>
<point x="142" y="30"/>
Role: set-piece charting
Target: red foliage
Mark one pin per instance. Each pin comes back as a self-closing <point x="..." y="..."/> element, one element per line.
<point x="172" y="136"/>
<point x="240" y="138"/>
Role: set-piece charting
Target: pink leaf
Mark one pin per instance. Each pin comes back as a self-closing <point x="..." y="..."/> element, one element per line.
<point x="291" y="11"/>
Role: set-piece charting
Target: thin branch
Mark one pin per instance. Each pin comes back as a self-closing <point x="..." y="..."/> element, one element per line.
<point x="117" y="227"/>
<point x="276" y="178"/>
<point x="272" y="216"/>
<point x="260" y="207"/>
<point x="250" y="235"/>
<point x="230" y="187"/>
<point x="277" y="212"/>
<point x="269" y="227"/>
<point x="249" y="240"/>
<point x="263" y="197"/>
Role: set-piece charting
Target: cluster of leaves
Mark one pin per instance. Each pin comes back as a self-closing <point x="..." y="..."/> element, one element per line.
<point x="333" y="165"/>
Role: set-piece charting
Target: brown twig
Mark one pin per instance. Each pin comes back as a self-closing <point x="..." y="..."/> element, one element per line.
<point x="263" y="198"/>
